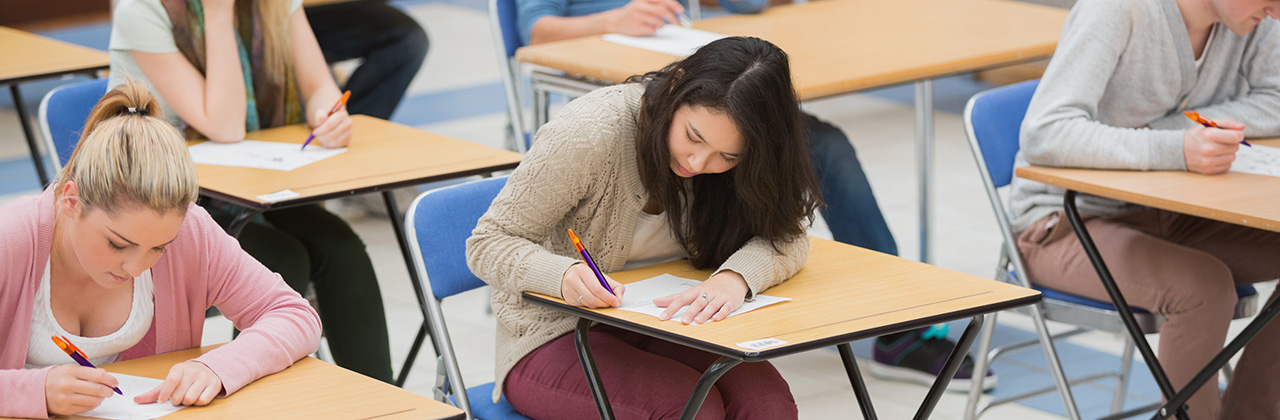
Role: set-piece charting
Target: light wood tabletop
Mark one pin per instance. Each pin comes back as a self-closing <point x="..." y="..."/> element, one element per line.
<point x="310" y="389"/>
<point x="382" y="155"/>
<point x="1242" y="199"/>
<point x="30" y="56"/>
<point x="843" y="293"/>
<point x="841" y="46"/>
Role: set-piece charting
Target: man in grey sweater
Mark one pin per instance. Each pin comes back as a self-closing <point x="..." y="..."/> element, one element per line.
<point x="1113" y="98"/>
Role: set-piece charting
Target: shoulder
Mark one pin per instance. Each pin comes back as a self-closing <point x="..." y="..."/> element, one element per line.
<point x="141" y="25"/>
<point x="1102" y="13"/>
<point x="604" y="117"/>
<point x="20" y="228"/>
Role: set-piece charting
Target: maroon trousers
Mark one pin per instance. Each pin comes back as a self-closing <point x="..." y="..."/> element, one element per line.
<point x="645" y="378"/>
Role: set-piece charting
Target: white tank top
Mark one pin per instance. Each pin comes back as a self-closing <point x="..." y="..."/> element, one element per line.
<point x="652" y="242"/>
<point x="41" y="351"/>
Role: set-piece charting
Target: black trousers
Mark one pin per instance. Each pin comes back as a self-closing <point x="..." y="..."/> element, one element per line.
<point x="391" y="43"/>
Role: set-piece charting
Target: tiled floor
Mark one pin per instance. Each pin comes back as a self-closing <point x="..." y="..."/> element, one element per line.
<point x="457" y="94"/>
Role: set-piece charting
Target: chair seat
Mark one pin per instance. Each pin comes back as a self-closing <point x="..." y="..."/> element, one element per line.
<point x="1241" y="291"/>
<point x="483" y="407"/>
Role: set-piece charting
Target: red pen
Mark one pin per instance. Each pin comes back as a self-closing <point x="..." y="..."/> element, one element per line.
<point x="341" y="101"/>
<point x="77" y="355"/>
<point x="1195" y="116"/>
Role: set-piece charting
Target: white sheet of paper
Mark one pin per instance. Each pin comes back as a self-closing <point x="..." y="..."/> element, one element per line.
<point x="640" y="295"/>
<point x="1261" y="160"/>
<point x="260" y="154"/>
<point x="670" y="39"/>
<point x="122" y="407"/>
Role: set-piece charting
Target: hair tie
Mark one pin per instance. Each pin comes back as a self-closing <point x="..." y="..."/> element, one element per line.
<point x="142" y="112"/>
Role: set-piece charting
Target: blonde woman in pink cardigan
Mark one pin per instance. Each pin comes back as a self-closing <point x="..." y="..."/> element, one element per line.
<point x="116" y="256"/>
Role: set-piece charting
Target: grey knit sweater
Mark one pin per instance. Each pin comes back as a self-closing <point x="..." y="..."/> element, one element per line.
<point x="1113" y="96"/>
<point x="581" y="173"/>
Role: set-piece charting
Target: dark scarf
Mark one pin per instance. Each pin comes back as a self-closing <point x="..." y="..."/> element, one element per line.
<point x="269" y="104"/>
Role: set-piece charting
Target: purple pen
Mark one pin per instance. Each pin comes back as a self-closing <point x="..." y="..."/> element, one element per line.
<point x="586" y="256"/>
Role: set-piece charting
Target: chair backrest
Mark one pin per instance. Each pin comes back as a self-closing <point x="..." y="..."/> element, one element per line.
<point x="62" y="115"/>
<point x="504" y="22"/>
<point x="439" y="223"/>
<point x="993" y="121"/>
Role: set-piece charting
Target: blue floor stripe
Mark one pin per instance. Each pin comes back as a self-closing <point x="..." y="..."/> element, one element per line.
<point x="430" y="108"/>
<point x="18" y="175"/>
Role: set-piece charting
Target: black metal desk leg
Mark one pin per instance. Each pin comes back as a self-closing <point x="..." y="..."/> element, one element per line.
<point x="713" y="373"/>
<point x="240" y="221"/>
<point x="1117" y="299"/>
<point x="397" y="224"/>
<point x="855" y="379"/>
<point x="589" y="367"/>
<point x="949" y="369"/>
<point x="31" y="137"/>
<point x="1264" y="317"/>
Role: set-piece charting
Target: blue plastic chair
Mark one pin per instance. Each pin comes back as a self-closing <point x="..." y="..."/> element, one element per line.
<point x="62" y="114"/>
<point x="504" y="23"/>
<point x="993" y="122"/>
<point x="438" y="225"/>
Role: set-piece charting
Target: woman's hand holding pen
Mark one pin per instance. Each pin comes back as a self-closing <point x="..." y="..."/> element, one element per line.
<point x="188" y="383"/>
<point x="581" y="288"/>
<point x="1210" y="150"/>
<point x="713" y="299"/>
<point x="334" y="130"/>
<point x="73" y="389"/>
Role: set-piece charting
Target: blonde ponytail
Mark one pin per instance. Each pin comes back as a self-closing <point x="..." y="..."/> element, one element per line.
<point x="128" y="155"/>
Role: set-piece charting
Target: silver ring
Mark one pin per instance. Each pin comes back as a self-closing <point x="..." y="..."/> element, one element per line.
<point x="579" y="299"/>
<point x="704" y="296"/>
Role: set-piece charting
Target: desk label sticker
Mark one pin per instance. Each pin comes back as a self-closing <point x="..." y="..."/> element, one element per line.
<point x="762" y="343"/>
<point x="278" y="195"/>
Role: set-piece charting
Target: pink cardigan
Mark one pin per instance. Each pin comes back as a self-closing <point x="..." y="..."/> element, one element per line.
<point x="204" y="267"/>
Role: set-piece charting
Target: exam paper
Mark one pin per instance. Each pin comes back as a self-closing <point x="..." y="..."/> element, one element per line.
<point x="122" y="407"/>
<point x="260" y="154"/>
<point x="1261" y="160"/>
<point x="670" y="39"/>
<point x="640" y="295"/>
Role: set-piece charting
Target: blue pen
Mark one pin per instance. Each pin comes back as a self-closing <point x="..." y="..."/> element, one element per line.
<point x="75" y="353"/>
<point x="577" y="243"/>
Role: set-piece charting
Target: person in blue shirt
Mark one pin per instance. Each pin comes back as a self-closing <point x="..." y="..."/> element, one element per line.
<point x="851" y="212"/>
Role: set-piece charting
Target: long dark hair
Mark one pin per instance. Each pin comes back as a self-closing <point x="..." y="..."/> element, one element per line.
<point x="772" y="191"/>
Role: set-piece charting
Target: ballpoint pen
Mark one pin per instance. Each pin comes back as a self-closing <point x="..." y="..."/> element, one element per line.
<point x="577" y="243"/>
<point x="342" y="101"/>
<point x="1195" y="116"/>
<point x="75" y="353"/>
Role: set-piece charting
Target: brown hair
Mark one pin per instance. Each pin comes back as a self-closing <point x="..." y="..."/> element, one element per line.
<point x="128" y="155"/>
<point x="772" y="192"/>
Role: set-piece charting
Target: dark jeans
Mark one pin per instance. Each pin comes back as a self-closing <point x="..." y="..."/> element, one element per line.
<point x="311" y="245"/>
<point x="391" y="43"/>
<point x="852" y="212"/>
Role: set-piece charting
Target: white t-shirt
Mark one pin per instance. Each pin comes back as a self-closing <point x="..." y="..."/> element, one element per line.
<point x="144" y="25"/>
<point x="653" y="242"/>
<point x="41" y="351"/>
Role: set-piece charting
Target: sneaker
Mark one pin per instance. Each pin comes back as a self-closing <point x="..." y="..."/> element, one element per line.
<point x="918" y="355"/>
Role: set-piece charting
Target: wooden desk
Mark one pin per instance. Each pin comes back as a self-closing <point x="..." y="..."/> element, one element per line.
<point x="308" y="389"/>
<point x="838" y="47"/>
<point x="382" y="156"/>
<point x="844" y="293"/>
<point x="27" y="57"/>
<point x="1242" y="199"/>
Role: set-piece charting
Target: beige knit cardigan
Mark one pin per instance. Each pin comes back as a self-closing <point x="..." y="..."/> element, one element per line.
<point x="581" y="173"/>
